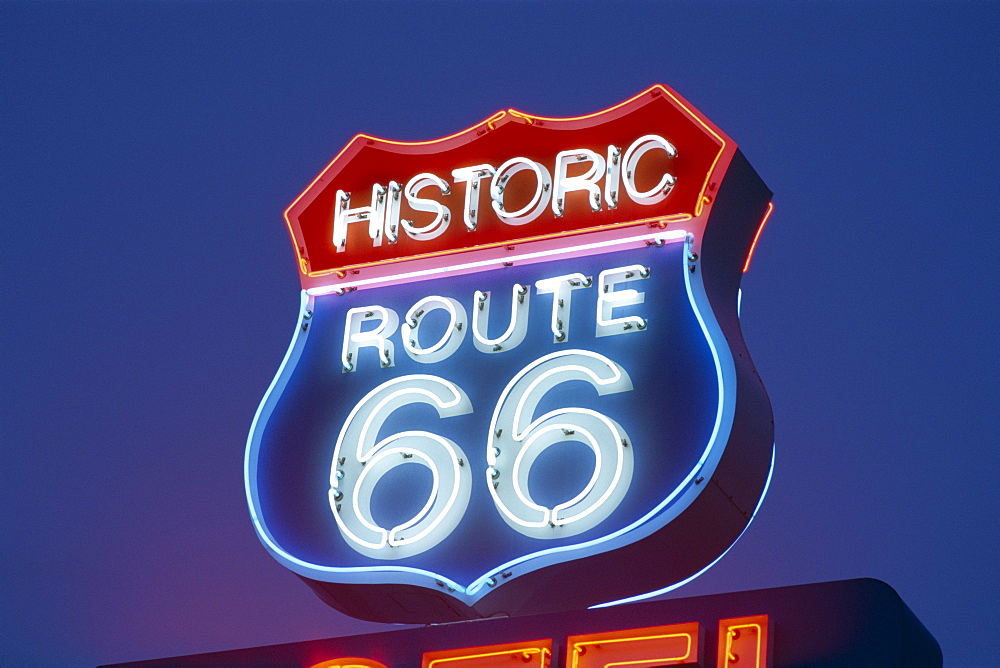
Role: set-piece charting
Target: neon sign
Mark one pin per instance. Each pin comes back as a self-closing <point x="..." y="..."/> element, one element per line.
<point x="382" y="218"/>
<point x="654" y="159"/>
<point x="531" y="654"/>
<point x="668" y="645"/>
<point x="654" y="646"/>
<point x="842" y="624"/>
<point x="484" y="403"/>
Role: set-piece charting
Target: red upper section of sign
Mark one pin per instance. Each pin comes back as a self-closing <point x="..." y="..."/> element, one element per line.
<point x="702" y="156"/>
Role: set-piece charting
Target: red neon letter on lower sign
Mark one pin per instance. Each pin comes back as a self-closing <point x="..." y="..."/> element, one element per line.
<point x="743" y="642"/>
<point x="534" y="654"/>
<point x="652" y="646"/>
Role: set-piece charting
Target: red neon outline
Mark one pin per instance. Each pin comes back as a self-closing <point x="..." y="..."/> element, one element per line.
<point x="642" y="641"/>
<point x="756" y="237"/>
<point x="728" y="630"/>
<point x="725" y="146"/>
<point x="527" y="653"/>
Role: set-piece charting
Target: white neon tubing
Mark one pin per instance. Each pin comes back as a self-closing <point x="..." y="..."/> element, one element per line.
<point x="343" y="215"/>
<point x="640" y="147"/>
<point x="378" y="338"/>
<point x="517" y="329"/>
<point x="377" y="466"/>
<point x="685" y="491"/>
<point x="500" y="262"/>
<point x="533" y="446"/>
<point x="357" y="574"/>
<point x="539" y="200"/>
<point x="442" y="215"/>
<point x="515" y="442"/>
<point x="608" y="299"/>
<point x="355" y="472"/>
<point x="539" y="559"/>
<point x="611" y="487"/>
<point x="451" y="339"/>
<point x="392" y="212"/>
<point x="587" y="181"/>
<point x="561" y="288"/>
<point x="473" y="176"/>
<point x="372" y="574"/>
<point x="613" y="177"/>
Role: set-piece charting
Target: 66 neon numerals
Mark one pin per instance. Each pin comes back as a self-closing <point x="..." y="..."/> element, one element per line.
<point x="516" y="439"/>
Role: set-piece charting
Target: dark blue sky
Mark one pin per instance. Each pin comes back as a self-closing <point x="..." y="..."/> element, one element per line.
<point x="147" y="151"/>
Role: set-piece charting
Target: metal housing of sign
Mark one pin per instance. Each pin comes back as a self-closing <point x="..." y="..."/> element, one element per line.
<point x="517" y="383"/>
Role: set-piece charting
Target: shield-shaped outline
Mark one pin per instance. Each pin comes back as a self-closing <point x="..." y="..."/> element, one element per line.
<point x="706" y="513"/>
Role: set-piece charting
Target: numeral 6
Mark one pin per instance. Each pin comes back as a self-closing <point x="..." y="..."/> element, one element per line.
<point x="515" y="441"/>
<point x="359" y="462"/>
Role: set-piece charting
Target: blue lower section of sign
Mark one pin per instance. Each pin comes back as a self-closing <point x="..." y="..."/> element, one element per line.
<point x="669" y="414"/>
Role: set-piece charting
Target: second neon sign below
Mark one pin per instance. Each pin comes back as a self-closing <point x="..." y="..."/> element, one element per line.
<point x="460" y="432"/>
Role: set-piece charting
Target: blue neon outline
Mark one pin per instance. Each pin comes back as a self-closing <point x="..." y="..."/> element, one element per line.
<point x="676" y="585"/>
<point x="417" y="576"/>
<point x="276" y="388"/>
<point x="684" y="485"/>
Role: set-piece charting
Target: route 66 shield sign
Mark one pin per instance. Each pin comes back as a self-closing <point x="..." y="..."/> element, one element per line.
<point x="517" y="383"/>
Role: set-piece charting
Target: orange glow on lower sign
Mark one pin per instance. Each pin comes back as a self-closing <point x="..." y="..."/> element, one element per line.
<point x="652" y="646"/>
<point x="743" y="642"/>
<point x="533" y="654"/>
<point x="349" y="662"/>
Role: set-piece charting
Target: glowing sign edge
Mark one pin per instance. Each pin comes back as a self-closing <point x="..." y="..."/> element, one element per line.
<point x="727" y="147"/>
<point x="676" y="585"/>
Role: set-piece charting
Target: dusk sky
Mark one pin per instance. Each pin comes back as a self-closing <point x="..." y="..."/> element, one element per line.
<point x="147" y="151"/>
